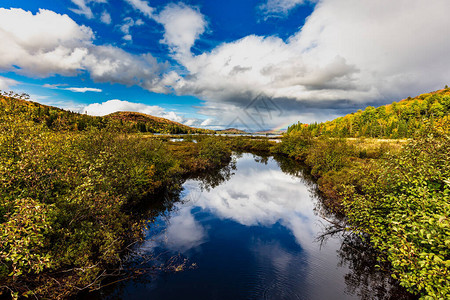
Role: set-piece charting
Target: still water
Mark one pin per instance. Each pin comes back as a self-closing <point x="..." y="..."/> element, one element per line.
<point x="250" y="234"/>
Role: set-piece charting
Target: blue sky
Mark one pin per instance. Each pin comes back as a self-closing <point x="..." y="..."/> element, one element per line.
<point x="250" y="64"/>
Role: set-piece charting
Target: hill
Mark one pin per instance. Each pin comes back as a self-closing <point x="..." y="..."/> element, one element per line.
<point x="232" y="131"/>
<point x="60" y="119"/>
<point x="396" y="120"/>
<point x="147" y="123"/>
<point x="271" y="132"/>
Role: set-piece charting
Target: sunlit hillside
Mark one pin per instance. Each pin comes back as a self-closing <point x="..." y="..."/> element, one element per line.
<point x="401" y="119"/>
<point x="60" y="119"/>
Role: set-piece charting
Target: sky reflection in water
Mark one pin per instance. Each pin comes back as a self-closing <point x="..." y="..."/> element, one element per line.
<point x="252" y="237"/>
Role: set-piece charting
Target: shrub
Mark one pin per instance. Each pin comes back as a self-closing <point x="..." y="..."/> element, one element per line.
<point x="405" y="210"/>
<point x="329" y="155"/>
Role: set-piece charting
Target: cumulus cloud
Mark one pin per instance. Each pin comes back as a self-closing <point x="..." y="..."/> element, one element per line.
<point x="182" y="24"/>
<point x="352" y="52"/>
<point x="142" y="6"/>
<point x="110" y="106"/>
<point x="61" y="49"/>
<point x="207" y="122"/>
<point x="67" y="48"/>
<point x="348" y="52"/>
<point x="393" y="52"/>
<point x="111" y="64"/>
<point x="182" y="27"/>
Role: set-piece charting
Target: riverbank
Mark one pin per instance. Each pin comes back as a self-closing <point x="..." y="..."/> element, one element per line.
<point x="68" y="200"/>
<point x="395" y="195"/>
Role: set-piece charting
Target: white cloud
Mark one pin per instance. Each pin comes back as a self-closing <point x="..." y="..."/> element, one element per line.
<point x="111" y="64"/>
<point x="142" y="6"/>
<point x="126" y="26"/>
<point x="82" y="9"/>
<point x="48" y="43"/>
<point x="128" y="23"/>
<point x="347" y="50"/>
<point x="105" y="17"/>
<point x="72" y="89"/>
<point x="352" y="50"/>
<point x="6" y="83"/>
<point x="279" y="8"/>
<point x="259" y="196"/>
<point x="184" y="232"/>
<point x="207" y="122"/>
<point x="182" y="24"/>
<point x="393" y="49"/>
<point x="42" y="44"/>
<point x="182" y="27"/>
<point x="111" y="106"/>
<point x="54" y="86"/>
<point x="83" y="89"/>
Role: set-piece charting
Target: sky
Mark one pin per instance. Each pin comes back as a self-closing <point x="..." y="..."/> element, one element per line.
<point x="253" y="65"/>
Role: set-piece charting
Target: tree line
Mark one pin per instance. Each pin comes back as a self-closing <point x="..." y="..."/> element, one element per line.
<point x="402" y="119"/>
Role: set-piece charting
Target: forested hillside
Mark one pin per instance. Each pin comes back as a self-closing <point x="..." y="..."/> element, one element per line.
<point x="59" y="119"/>
<point x="146" y="123"/>
<point x="397" y="120"/>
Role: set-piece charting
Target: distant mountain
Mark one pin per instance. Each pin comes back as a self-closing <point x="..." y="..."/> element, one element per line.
<point x="60" y="119"/>
<point x="276" y="132"/>
<point x="232" y="131"/>
<point x="397" y="120"/>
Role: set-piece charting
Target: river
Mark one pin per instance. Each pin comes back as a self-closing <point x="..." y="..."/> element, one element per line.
<point x="251" y="232"/>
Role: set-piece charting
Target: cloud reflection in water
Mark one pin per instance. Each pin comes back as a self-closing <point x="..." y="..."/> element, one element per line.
<point x="260" y="195"/>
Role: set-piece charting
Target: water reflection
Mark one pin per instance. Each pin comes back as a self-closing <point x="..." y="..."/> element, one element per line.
<point x="252" y="231"/>
<point x="184" y="232"/>
<point x="365" y="279"/>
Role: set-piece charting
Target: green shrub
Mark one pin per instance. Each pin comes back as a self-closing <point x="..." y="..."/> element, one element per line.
<point x="65" y="201"/>
<point x="405" y="210"/>
<point x="328" y="155"/>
